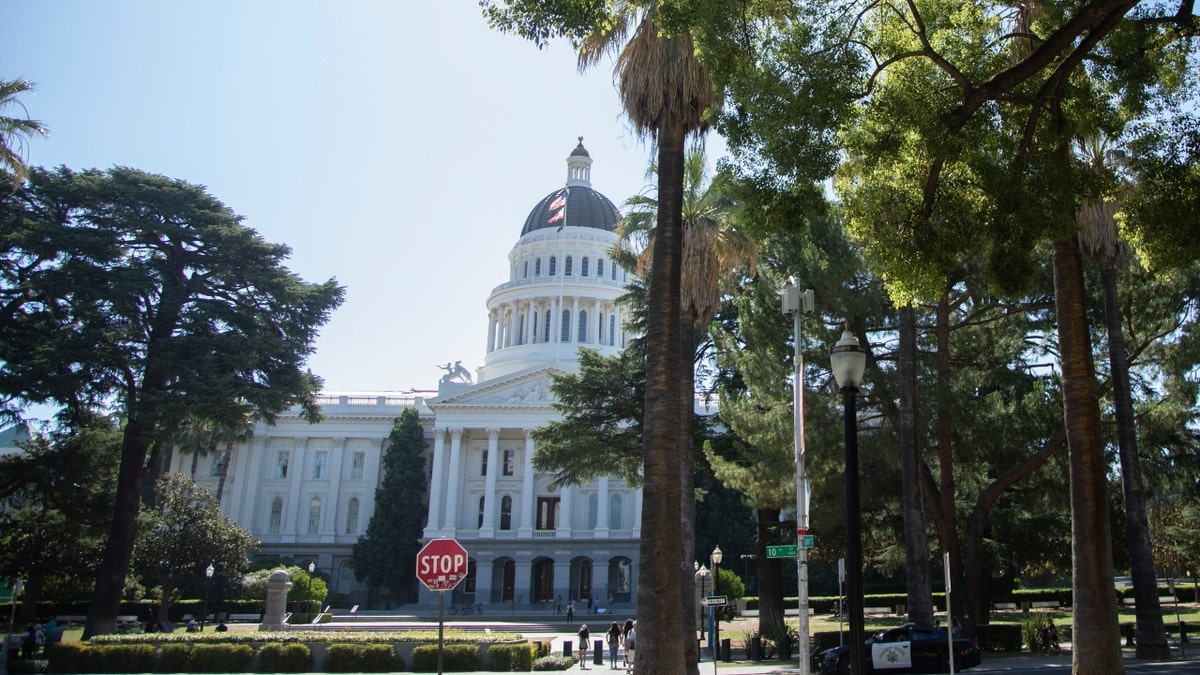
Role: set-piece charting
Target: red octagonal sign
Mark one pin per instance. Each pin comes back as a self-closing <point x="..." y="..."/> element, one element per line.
<point x="441" y="564"/>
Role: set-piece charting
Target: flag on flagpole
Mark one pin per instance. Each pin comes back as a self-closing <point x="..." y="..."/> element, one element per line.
<point x="561" y="215"/>
<point x="560" y="201"/>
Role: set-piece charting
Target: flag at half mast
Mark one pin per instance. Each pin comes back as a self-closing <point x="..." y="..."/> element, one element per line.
<point x="560" y="203"/>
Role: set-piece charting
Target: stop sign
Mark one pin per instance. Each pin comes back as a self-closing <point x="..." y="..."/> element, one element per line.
<point x="441" y="564"/>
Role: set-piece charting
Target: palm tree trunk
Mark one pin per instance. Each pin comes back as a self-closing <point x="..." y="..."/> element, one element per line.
<point x="1096" y="632"/>
<point x="225" y="459"/>
<point x="661" y="649"/>
<point x="1151" y="633"/>
<point x="916" y="545"/>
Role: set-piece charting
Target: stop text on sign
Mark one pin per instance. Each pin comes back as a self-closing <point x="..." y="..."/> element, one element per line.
<point x="436" y="565"/>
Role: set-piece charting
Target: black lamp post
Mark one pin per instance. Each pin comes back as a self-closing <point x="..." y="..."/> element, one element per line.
<point x="208" y="572"/>
<point x="312" y="567"/>
<point x="717" y="556"/>
<point x="849" y="361"/>
<point x="702" y="572"/>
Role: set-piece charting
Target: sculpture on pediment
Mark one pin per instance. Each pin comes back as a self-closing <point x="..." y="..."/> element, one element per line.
<point x="455" y="373"/>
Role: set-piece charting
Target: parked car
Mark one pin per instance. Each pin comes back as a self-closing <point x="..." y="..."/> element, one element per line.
<point x="907" y="649"/>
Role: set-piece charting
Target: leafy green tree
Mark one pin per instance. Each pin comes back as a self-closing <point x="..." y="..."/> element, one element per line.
<point x="137" y="290"/>
<point x="386" y="556"/>
<point x="57" y="495"/>
<point x="15" y="130"/>
<point x="182" y="536"/>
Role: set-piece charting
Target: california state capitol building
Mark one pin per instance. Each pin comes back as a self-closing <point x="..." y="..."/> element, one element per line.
<point x="307" y="491"/>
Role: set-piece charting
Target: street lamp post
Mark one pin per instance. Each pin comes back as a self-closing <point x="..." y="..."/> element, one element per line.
<point x="795" y="303"/>
<point x="848" y="360"/>
<point x="312" y="567"/>
<point x="716" y="563"/>
<point x="208" y="572"/>
<point x="702" y="572"/>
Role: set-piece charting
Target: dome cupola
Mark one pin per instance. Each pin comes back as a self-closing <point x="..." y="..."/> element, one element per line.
<point x="576" y="205"/>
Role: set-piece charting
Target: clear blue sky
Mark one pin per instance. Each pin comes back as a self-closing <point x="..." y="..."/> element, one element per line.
<point x="397" y="146"/>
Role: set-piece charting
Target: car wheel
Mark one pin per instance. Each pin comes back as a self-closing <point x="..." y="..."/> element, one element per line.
<point x="944" y="663"/>
<point x="843" y="665"/>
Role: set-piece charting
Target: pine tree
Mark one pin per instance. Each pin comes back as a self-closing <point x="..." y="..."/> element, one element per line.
<point x="386" y="556"/>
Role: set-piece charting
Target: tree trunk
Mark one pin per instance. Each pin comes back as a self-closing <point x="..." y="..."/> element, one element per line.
<point x="118" y="551"/>
<point x="946" y="513"/>
<point x="661" y="647"/>
<point x="687" y="492"/>
<point x="225" y="459"/>
<point x="770" y="574"/>
<point x="30" y="597"/>
<point x="1096" y="631"/>
<point x="916" y="545"/>
<point x="1151" y="634"/>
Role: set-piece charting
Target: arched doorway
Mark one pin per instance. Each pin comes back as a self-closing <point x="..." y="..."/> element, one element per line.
<point x="543" y="580"/>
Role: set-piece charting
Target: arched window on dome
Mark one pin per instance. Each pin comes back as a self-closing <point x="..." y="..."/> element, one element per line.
<point x="533" y="326"/>
<point x="521" y="330"/>
<point x="600" y="326"/>
<point x="546" y="328"/>
<point x="583" y="336"/>
<point x="600" y="268"/>
<point x="553" y="265"/>
<point x="614" y="272"/>
<point x="537" y="267"/>
<point x="526" y="275"/>
<point x="565" y="334"/>
<point x="612" y="329"/>
<point x="567" y="267"/>
<point x="583" y="267"/>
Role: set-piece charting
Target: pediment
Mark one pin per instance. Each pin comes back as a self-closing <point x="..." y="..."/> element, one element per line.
<point x="529" y="388"/>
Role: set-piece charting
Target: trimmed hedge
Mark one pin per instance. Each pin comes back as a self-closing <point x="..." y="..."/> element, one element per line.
<point x="277" y="657"/>
<point x="455" y="659"/>
<point x="220" y="658"/>
<point x="511" y="658"/>
<point x="76" y="658"/>
<point x="368" y="658"/>
<point x="554" y="663"/>
<point x="174" y="658"/>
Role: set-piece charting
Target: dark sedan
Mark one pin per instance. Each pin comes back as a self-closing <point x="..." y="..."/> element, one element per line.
<point x="906" y="649"/>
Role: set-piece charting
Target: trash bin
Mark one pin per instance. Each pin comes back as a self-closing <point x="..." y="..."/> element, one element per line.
<point x="756" y="647"/>
<point x="725" y="649"/>
<point x="567" y="644"/>
<point x="598" y="653"/>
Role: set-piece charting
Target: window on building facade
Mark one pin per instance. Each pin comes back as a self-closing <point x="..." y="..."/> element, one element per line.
<point x="506" y="513"/>
<point x="592" y="511"/>
<point x="510" y="461"/>
<point x="352" y="516"/>
<point x="614" y="272"/>
<point x="614" y="512"/>
<point x="314" y="515"/>
<point x="469" y="582"/>
<point x="281" y="464"/>
<point x="521" y="330"/>
<point x="600" y="326"/>
<point x="600" y="268"/>
<point x="547" y="512"/>
<point x="567" y="266"/>
<point x="218" y="462"/>
<point x="276" y="515"/>
<point x="583" y="336"/>
<point x="533" y="333"/>
<point x="526" y="274"/>
<point x="357" y="464"/>
<point x="612" y="329"/>
<point x="319" y="460"/>
<point x="565" y="335"/>
<point x="553" y="265"/>
<point x="583" y="267"/>
<point x="483" y="463"/>
<point x="537" y="267"/>
<point x="480" y="525"/>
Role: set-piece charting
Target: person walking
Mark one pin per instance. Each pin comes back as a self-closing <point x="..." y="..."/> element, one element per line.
<point x="570" y="611"/>
<point x="630" y="645"/>
<point x="584" y="635"/>
<point x="613" y="637"/>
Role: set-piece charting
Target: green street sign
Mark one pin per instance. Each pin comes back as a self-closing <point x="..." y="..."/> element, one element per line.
<point x="808" y="541"/>
<point x="787" y="551"/>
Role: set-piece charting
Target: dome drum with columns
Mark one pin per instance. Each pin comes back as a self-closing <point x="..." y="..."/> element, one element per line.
<point x="307" y="491"/>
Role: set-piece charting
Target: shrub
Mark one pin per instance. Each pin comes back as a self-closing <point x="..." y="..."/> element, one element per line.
<point x="1031" y="631"/>
<point x="221" y="657"/>
<point x="68" y="657"/>
<point x="30" y="667"/>
<point x="554" y="663"/>
<point x="511" y="658"/>
<point x="461" y="658"/>
<point x="174" y="657"/>
<point x="361" y="658"/>
<point x="277" y="657"/>
<point x="1001" y="637"/>
<point x="76" y="658"/>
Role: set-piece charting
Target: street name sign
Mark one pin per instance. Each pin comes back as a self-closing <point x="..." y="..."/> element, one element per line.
<point x="785" y="551"/>
<point x="714" y="601"/>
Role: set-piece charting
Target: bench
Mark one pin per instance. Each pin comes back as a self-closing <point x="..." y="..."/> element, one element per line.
<point x="1004" y="605"/>
<point x="71" y="618"/>
<point x="1162" y="600"/>
<point x="877" y="610"/>
<point x="245" y="617"/>
<point x="1045" y="604"/>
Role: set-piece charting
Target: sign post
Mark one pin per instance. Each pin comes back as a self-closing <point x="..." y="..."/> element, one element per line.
<point x="441" y="565"/>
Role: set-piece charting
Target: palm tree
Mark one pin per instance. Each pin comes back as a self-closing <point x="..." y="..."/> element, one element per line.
<point x="1102" y="243"/>
<point x="231" y="433"/>
<point x="15" y="130"/>
<point x="665" y="93"/>
<point x="197" y="438"/>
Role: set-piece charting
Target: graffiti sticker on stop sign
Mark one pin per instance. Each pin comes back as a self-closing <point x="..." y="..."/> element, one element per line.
<point x="441" y="564"/>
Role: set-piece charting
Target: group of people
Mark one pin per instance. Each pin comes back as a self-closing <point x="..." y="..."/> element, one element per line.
<point x="38" y="638"/>
<point x="617" y="636"/>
